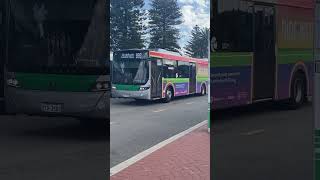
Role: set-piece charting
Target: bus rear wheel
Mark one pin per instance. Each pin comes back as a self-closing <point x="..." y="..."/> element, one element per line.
<point x="168" y="95"/>
<point x="298" y="91"/>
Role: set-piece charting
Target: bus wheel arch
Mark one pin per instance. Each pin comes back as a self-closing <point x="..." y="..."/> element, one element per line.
<point x="203" y="89"/>
<point x="298" y="88"/>
<point x="169" y="93"/>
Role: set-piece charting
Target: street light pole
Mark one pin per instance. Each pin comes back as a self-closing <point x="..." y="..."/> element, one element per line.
<point x="208" y="90"/>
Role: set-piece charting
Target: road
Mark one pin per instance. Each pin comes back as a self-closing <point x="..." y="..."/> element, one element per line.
<point x="39" y="148"/>
<point x="255" y="142"/>
<point x="137" y="126"/>
<point x="262" y="142"/>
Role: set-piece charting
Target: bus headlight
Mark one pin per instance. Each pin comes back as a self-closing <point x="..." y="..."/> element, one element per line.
<point x="106" y="86"/>
<point x="13" y="82"/>
<point x="101" y="86"/>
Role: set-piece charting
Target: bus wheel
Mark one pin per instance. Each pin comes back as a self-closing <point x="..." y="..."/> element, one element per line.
<point x="298" y="91"/>
<point x="203" y="90"/>
<point x="169" y="95"/>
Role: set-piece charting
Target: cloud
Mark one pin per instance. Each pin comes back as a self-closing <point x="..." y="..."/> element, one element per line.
<point x="201" y="3"/>
<point x="195" y="16"/>
<point x="194" y="12"/>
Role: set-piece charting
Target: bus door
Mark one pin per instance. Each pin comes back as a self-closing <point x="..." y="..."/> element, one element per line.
<point x="156" y="78"/>
<point x="192" y="77"/>
<point x="264" y="52"/>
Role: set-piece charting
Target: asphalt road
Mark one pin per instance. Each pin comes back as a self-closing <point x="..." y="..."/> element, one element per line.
<point x="137" y="126"/>
<point x="255" y="142"/>
<point x="261" y="142"/>
<point x="39" y="148"/>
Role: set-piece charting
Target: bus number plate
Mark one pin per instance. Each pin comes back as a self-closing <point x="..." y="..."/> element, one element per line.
<point x="55" y="108"/>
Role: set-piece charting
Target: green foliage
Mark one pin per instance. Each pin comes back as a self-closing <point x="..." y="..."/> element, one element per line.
<point x="165" y="15"/>
<point x="198" y="45"/>
<point x="126" y="24"/>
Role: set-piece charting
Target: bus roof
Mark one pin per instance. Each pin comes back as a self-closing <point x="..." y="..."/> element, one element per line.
<point x="161" y="53"/>
<point x="294" y="3"/>
<point x="176" y="57"/>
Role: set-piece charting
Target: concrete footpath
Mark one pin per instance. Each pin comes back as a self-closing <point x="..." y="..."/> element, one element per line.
<point x="187" y="157"/>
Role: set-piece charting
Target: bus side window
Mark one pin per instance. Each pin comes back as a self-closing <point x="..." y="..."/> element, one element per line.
<point x="159" y="62"/>
<point x="231" y="28"/>
<point x="183" y="69"/>
<point x="169" y="69"/>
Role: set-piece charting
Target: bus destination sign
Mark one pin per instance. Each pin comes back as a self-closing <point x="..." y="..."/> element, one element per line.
<point x="134" y="55"/>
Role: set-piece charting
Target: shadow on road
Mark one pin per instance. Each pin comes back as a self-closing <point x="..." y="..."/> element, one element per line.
<point x="72" y="130"/>
<point x="132" y="102"/>
<point x="250" y="110"/>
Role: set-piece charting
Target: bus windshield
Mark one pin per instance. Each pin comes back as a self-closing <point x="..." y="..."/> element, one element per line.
<point x="130" y="71"/>
<point x="47" y="37"/>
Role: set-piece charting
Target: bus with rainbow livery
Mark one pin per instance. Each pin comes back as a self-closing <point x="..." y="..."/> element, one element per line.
<point x="157" y="74"/>
<point x="261" y="50"/>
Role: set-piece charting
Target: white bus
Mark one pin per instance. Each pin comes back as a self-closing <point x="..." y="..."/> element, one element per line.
<point x="54" y="58"/>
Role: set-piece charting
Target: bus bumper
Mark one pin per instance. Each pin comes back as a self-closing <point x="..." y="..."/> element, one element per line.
<point x="131" y="94"/>
<point x="74" y="104"/>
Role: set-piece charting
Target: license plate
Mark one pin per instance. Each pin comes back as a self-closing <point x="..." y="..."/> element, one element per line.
<point x="54" y="108"/>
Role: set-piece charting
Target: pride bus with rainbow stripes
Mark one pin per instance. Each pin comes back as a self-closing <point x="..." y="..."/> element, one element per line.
<point x="260" y="51"/>
<point x="157" y="74"/>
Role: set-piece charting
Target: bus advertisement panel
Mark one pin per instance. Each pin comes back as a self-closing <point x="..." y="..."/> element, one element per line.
<point x="260" y="50"/>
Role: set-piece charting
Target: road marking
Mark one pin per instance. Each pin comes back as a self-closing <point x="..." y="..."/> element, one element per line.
<point x="160" y="110"/>
<point x="190" y="103"/>
<point x="121" y="166"/>
<point x="254" y="132"/>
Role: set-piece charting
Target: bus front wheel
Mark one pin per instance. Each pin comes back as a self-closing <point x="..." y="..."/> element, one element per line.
<point x="298" y="91"/>
<point x="168" y="95"/>
<point x="203" y="90"/>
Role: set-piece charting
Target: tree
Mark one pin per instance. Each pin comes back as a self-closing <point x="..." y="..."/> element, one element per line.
<point x="165" y="15"/>
<point x="197" y="46"/>
<point x="126" y="21"/>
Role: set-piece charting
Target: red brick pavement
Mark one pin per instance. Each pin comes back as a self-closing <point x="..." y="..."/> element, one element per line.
<point x="187" y="158"/>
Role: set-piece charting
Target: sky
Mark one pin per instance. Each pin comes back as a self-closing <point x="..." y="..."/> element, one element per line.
<point x="194" y="12"/>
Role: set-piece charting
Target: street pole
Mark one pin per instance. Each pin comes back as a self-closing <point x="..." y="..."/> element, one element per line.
<point x="209" y="121"/>
<point x="316" y="92"/>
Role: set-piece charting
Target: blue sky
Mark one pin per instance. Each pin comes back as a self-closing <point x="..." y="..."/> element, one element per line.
<point x="194" y="12"/>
